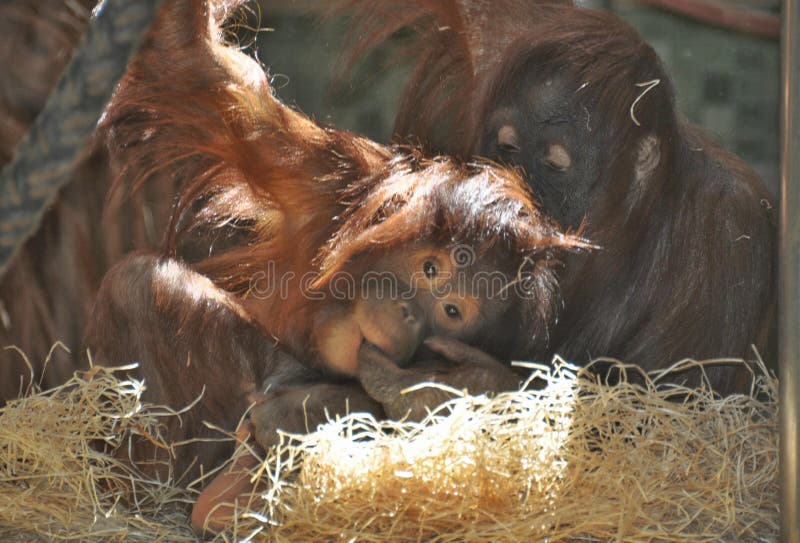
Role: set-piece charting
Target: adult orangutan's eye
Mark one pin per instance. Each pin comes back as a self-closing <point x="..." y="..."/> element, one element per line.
<point x="557" y="157"/>
<point x="429" y="269"/>
<point x="507" y="140"/>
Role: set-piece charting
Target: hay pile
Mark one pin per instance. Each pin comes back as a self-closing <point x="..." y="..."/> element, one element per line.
<point x="57" y="485"/>
<point x="575" y="461"/>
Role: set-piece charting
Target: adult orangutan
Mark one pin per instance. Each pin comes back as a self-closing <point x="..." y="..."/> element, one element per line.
<point x="305" y="261"/>
<point x="580" y="103"/>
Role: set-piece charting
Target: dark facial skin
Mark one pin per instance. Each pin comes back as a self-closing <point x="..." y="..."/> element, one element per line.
<point x="542" y="126"/>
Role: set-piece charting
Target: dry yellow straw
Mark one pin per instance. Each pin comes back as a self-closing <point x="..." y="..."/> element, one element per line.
<point x="58" y="478"/>
<point x="575" y="461"/>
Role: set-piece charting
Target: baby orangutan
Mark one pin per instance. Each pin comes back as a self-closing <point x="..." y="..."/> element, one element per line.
<point x="411" y="303"/>
<point x="304" y="264"/>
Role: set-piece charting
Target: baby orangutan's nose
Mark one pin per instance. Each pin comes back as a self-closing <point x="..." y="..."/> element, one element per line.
<point x="412" y="320"/>
<point x="408" y="312"/>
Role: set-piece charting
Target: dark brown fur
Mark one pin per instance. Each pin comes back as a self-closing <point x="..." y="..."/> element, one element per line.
<point x="686" y="230"/>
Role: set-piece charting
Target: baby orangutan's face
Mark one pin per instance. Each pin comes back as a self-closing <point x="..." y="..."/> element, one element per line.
<point x="403" y="297"/>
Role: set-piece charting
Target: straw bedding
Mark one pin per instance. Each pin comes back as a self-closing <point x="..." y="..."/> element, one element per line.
<point x="577" y="460"/>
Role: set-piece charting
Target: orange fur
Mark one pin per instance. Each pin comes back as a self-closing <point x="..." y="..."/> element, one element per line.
<point x="310" y="198"/>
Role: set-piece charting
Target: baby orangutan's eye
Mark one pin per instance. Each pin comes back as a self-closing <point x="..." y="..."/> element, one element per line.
<point x="452" y="311"/>
<point x="429" y="269"/>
